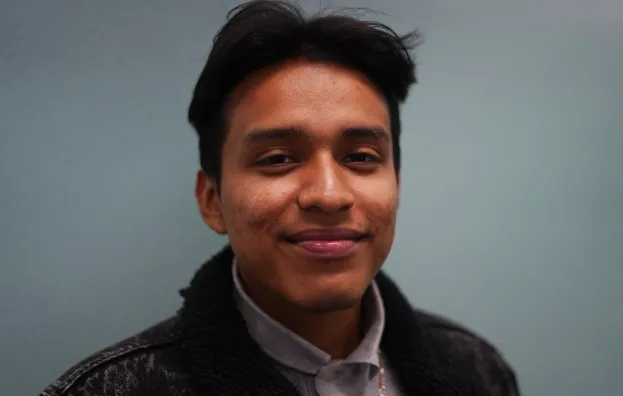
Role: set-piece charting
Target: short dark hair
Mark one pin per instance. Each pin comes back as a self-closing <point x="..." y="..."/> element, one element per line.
<point x="263" y="33"/>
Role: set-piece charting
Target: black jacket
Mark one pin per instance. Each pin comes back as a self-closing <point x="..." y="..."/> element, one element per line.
<point x="205" y="350"/>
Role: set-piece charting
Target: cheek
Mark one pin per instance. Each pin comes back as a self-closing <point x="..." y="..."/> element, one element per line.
<point x="253" y="210"/>
<point x="380" y="204"/>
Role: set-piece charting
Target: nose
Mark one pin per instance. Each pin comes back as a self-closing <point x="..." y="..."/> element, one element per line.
<point x="325" y="188"/>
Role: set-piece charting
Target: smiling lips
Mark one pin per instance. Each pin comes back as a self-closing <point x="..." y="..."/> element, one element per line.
<point x="328" y="242"/>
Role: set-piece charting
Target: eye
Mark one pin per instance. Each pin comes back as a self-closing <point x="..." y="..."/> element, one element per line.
<point x="363" y="158"/>
<point x="276" y="160"/>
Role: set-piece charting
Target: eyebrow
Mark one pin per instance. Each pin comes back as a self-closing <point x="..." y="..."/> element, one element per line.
<point x="258" y="136"/>
<point x="367" y="133"/>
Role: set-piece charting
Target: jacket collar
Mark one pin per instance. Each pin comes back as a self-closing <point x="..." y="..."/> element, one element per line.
<point x="223" y="359"/>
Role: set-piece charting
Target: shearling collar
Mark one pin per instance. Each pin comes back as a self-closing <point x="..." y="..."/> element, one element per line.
<point x="223" y="359"/>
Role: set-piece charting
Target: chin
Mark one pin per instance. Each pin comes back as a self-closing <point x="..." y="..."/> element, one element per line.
<point x="329" y="287"/>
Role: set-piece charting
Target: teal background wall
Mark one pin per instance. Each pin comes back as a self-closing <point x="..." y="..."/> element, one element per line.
<point x="511" y="217"/>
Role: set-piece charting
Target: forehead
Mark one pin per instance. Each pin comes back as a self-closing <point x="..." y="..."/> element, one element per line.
<point x="317" y="97"/>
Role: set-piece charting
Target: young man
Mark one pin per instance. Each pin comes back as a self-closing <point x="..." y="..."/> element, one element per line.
<point x="299" y="127"/>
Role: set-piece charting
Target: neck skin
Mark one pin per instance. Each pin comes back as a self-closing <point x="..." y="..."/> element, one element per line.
<point x="336" y="333"/>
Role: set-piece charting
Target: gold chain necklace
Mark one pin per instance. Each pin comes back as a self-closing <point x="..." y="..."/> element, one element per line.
<point x="381" y="376"/>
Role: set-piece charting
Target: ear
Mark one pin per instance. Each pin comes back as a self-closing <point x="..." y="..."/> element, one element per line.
<point x="208" y="200"/>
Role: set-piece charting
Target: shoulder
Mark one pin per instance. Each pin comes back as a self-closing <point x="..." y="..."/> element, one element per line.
<point x="121" y="368"/>
<point x="466" y="351"/>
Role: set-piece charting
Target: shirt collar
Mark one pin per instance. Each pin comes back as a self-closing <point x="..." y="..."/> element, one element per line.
<point x="289" y="349"/>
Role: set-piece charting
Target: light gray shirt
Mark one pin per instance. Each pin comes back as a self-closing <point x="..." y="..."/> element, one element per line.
<point x="312" y="370"/>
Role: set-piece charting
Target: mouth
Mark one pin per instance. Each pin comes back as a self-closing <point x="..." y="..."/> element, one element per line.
<point x="328" y="242"/>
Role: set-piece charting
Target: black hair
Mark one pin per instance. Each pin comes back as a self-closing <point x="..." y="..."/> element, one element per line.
<point x="263" y="33"/>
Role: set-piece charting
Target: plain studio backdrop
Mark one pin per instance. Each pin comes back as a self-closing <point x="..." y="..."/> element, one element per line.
<point x="511" y="216"/>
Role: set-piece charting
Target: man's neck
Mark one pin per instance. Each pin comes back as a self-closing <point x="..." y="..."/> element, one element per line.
<point x="337" y="333"/>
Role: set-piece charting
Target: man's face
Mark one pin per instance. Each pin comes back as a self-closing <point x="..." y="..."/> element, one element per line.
<point x="308" y="193"/>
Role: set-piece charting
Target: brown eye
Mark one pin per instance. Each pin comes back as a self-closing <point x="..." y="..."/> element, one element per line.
<point x="276" y="160"/>
<point x="363" y="158"/>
